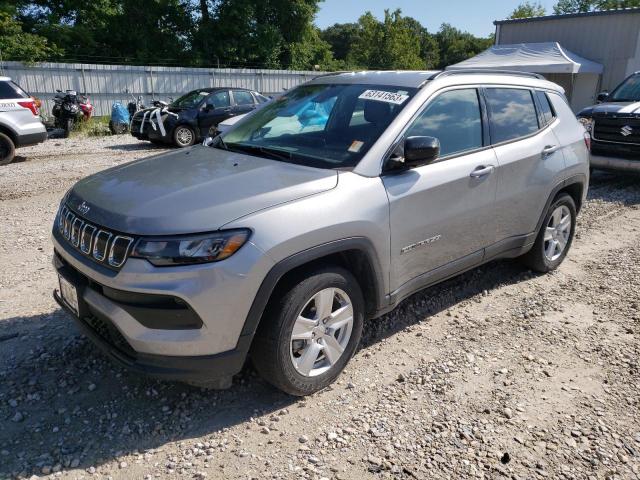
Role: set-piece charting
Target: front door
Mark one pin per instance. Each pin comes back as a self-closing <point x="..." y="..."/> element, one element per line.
<point x="441" y="214"/>
<point x="215" y="109"/>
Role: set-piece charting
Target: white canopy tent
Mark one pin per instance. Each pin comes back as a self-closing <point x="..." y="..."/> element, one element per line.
<point x="579" y="76"/>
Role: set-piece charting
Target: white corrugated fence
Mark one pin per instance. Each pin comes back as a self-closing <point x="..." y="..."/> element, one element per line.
<point x="106" y="84"/>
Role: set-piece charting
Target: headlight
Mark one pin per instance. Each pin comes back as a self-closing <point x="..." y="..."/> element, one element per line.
<point x="587" y="123"/>
<point x="185" y="250"/>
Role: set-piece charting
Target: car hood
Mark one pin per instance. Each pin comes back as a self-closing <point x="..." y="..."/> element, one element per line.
<point x="191" y="191"/>
<point x="627" y="109"/>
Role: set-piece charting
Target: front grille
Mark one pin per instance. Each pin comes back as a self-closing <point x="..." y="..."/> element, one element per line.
<point x="617" y="129"/>
<point x="99" y="244"/>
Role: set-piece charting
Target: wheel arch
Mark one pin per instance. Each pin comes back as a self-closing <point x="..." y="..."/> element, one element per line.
<point x="10" y="133"/>
<point x="574" y="186"/>
<point x="356" y="254"/>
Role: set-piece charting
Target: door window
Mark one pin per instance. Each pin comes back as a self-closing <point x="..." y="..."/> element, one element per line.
<point x="454" y="118"/>
<point x="242" y="98"/>
<point x="219" y="99"/>
<point x="512" y="113"/>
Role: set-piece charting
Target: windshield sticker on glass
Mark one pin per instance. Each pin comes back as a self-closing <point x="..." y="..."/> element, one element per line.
<point x="382" y="96"/>
<point x="356" y="146"/>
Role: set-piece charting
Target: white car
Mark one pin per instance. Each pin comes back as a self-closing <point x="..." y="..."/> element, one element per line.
<point x="225" y="125"/>
<point x="20" y="123"/>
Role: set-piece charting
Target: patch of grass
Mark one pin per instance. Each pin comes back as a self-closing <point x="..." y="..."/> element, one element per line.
<point x="94" y="127"/>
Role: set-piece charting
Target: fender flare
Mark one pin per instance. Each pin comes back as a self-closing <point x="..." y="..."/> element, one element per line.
<point x="580" y="179"/>
<point x="280" y="269"/>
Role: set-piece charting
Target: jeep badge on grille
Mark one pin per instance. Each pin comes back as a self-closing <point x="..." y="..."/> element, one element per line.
<point x="83" y="208"/>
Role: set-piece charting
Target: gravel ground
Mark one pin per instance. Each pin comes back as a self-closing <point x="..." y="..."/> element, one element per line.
<point x="498" y="373"/>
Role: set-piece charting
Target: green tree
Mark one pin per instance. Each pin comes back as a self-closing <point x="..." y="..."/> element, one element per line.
<point x="456" y="46"/>
<point x="15" y="44"/>
<point x="578" y="6"/>
<point x="527" y="10"/>
<point x="390" y="44"/>
<point x="341" y="37"/>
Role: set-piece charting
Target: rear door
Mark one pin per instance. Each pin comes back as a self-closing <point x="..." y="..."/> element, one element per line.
<point x="529" y="155"/>
<point x="443" y="212"/>
<point x="243" y="102"/>
<point x="215" y="109"/>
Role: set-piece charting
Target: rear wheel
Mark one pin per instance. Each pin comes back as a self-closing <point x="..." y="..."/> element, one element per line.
<point x="310" y="332"/>
<point x="7" y="149"/>
<point x="555" y="236"/>
<point x="184" y="136"/>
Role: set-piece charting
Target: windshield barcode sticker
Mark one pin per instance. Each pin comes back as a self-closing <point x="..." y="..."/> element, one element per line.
<point x="382" y="96"/>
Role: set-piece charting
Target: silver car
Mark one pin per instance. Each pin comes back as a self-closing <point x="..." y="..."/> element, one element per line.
<point x="20" y="123"/>
<point x="327" y="207"/>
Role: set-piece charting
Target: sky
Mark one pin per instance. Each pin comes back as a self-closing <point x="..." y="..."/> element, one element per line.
<point x="474" y="16"/>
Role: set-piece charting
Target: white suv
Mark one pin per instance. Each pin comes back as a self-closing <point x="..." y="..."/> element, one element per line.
<point x="20" y="123"/>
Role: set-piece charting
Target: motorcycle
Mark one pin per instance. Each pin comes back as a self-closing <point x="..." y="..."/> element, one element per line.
<point x="69" y="108"/>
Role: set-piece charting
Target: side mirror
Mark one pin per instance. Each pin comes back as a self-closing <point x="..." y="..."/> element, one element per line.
<point x="420" y="151"/>
<point x="602" y="96"/>
<point x="208" y="107"/>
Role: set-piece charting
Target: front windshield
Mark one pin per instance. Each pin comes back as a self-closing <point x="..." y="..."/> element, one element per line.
<point x="323" y="125"/>
<point x="627" y="91"/>
<point x="191" y="99"/>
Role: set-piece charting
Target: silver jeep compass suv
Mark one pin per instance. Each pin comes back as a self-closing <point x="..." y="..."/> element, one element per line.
<point x="328" y="206"/>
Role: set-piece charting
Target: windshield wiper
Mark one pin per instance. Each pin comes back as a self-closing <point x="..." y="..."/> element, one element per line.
<point x="273" y="153"/>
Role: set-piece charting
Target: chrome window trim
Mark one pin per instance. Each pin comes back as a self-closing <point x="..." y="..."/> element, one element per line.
<point x="110" y="260"/>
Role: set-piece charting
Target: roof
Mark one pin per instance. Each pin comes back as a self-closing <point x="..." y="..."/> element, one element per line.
<point x="619" y="11"/>
<point x="544" y="57"/>
<point x="418" y="78"/>
<point x="396" y="78"/>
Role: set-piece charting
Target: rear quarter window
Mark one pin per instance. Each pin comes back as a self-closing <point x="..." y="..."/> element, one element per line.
<point x="547" y="114"/>
<point x="9" y="90"/>
<point x="512" y="113"/>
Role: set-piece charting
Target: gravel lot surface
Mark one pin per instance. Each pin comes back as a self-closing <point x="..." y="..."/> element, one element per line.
<point x="498" y="373"/>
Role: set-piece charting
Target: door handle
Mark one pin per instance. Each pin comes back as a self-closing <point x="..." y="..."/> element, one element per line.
<point x="481" y="171"/>
<point x="549" y="149"/>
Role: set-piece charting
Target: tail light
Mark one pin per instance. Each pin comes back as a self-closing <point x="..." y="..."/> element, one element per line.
<point x="31" y="105"/>
<point x="587" y="140"/>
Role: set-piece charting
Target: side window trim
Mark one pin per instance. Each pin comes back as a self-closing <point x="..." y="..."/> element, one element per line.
<point x="536" y="107"/>
<point x="403" y="134"/>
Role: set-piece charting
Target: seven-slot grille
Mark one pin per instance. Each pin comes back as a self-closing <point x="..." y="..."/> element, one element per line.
<point x="99" y="244"/>
<point x="619" y="130"/>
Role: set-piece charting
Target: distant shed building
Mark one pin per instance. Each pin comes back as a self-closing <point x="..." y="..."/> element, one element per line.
<point x="611" y="38"/>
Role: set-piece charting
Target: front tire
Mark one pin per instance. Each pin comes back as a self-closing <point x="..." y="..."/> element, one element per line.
<point x="183" y="136"/>
<point x="310" y="331"/>
<point x="555" y="236"/>
<point x="7" y="149"/>
<point x="68" y="126"/>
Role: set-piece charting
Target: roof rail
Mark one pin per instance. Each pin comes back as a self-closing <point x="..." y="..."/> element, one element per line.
<point x="486" y="71"/>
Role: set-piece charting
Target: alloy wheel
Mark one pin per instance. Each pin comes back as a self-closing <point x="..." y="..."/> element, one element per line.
<point x="184" y="136"/>
<point x="321" y="332"/>
<point x="557" y="233"/>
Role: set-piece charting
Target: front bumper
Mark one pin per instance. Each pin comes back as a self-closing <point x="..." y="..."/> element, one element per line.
<point x="213" y="370"/>
<point x="218" y="294"/>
